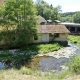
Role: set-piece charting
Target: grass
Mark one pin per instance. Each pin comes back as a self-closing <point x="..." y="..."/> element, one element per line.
<point x="74" y="64"/>
<point x="74" y="39"/>
<point x="28" y="74"/>
<point x="45" y="48"/>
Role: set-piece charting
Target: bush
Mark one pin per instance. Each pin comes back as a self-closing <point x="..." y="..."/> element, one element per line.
<point x="25" y="70"/>
<point x="75" y="64"/>
<point x="74" y="39"/>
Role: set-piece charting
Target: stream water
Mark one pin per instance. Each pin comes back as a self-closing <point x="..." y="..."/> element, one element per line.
<point x="52" y="62"/>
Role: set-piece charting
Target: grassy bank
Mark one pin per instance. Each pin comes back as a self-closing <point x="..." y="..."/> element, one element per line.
<point x="28" y="74"/>
<point x="45" y="48"/>
<point x="74" y="39"/>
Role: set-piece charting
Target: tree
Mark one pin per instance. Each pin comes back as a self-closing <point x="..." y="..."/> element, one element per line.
<point x="59" y="9"/>
<point x="1" y="9"/>
<point x="22" y="15"/>
<point x="67" y="16"/>
<point x="47" y="11"/>
<point x="76" y="17"/>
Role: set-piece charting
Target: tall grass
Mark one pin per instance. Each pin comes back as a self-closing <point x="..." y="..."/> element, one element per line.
<point x="74" y="39"/>
<point x="74" y="64"/>
<point x="29" y="74"/>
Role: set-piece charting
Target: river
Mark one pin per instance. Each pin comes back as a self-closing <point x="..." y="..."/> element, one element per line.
<point x="53" y="61"/>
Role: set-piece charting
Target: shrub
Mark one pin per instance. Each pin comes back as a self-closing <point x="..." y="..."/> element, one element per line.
<point x="75" y="64"/>
<point x="25" y="70"/>
<point x="74" y="39"/>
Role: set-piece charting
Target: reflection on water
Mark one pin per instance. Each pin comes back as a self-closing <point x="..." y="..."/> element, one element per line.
<point x="53" y="64"/>
<point x="35" y="62"/>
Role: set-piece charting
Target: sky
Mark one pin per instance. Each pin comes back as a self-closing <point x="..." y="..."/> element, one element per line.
<point x="66" y="5"/>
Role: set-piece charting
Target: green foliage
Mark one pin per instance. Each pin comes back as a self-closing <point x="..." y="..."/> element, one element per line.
<point x="68" y="14"/>
<point x="67" y="17"/>
<point x="71" y="17"/>
<point x="20" y="15"/>
<point x="64" y="73"/>
<point x="44" y="48"/>
<point x="48" y="11"/>
<point x="25" y="70"/>
<point x="74" y="39"/>
<point x="45" y="75"/>
<point x="6" y="38"/>
<point x="2" y="9"/>
<point x="28" y="74"/>
<point x="76" y="17"/>
<point x="74" y="64"/>
<point x="48" y="47"/>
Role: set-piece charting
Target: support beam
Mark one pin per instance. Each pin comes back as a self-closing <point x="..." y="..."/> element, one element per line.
<point x="75" y="29"/>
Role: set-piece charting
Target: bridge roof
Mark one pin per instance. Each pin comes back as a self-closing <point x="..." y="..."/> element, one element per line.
<point x="71" y="24"/>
